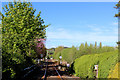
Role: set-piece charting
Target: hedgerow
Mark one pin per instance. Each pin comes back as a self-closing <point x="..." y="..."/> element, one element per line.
<point x="84" y="66"/>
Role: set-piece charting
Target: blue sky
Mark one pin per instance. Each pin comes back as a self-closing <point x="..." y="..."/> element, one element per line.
<point x="73" y="23"/>
<point x="63" y="0"/>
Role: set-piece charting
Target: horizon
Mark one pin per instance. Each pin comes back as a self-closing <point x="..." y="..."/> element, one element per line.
<point x="84" y="45"/>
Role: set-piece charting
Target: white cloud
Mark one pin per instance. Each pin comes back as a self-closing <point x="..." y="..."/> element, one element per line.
<point x="99" y="34"/>
<point x="95" y="28"/>
<point x="78" y="36"/>
<point x="104" y="30"/>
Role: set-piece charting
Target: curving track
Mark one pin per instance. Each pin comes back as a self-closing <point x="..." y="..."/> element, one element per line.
<point x="48" y="71"/>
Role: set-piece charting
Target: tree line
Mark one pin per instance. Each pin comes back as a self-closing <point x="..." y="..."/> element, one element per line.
<point x="70" y="54"/>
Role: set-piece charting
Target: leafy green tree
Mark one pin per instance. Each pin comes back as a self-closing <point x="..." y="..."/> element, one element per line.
<point x="82" y="49"/>
<point x="95" y="44"/>
<point x="0" y="52"/>
<point x="100" y="46"/>
<point x="20" y="28"/>
<point x="95" y="48"/>
<point x="58" y="49"/>
<point x="117" y="6"/>
<point x="73" y="52"/>
<point x="86" y="45"/>
<point x="90" y="49"/>
<point x="118" y="16"/>
<point x="69" y="54"/>
<point x="0" y="35"/>
<point x="86" y="48"/>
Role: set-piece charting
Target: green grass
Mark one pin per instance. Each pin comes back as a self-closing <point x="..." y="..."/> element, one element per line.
<point x="84" y="66"/>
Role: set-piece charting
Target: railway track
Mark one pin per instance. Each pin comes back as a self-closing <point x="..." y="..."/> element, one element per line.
<point x="29" y="73"/>
<point x="59" y="76"/>
<point x="47" y="71"/>
<point x="50" y="71"/>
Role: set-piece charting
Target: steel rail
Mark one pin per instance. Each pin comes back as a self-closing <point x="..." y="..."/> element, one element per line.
<point x="29" y="67"/>
<point x="29" y="71"/>
<point x="58" y="74"/>
<point x="44" y="77"/>
<point x="33" y="66"/>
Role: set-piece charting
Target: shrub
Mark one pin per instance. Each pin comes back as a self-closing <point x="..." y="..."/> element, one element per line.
<point x="84" y="65"/>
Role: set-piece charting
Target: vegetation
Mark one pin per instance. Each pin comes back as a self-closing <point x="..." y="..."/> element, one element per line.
<point x="117" y="7"/>
<point x="70" y="54"/>
<point x="67" y="54"/>
<point x="50" y="52"/>
<point x="86" y="56"/>
<point x="115" y="73"/>
<point x="0" y="52"/>
<point x="21" y="31"/>
<point x="84" y="66"/>
<point x="58" y="49"/>
<point x="20" y="28"/>
<point x="57" y="52"/>
<point x="40" y="48"/>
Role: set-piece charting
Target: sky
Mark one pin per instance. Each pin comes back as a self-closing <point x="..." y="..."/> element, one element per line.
<point x="63" y="0"/>
<point x="73" y="23"/>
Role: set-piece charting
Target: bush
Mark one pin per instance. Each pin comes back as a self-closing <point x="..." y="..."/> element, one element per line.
<point x="70" y="54"/>
<point x="84" y="66"/>
<point x="114" y="73"/>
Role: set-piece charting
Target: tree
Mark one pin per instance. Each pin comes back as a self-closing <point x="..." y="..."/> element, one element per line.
<point x="81" y="49"/>
<point x="100" y="46"/>
<point x="118" y="15"/>
<point x="73" y="52"/>
<point x="90" y="49"/>
<point x="40" y="48"/>
<point x="99" y="50"/>
<point x="117" y="7"/>
<point x="20" y="28"/>
<point x="95" y="48"/>
<point x="86" y="48"/>
<point x="95" y="44"/>
<point x="58" y="49"/>
<point x="81" y="46"/>
<point x="86" y="45"/>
